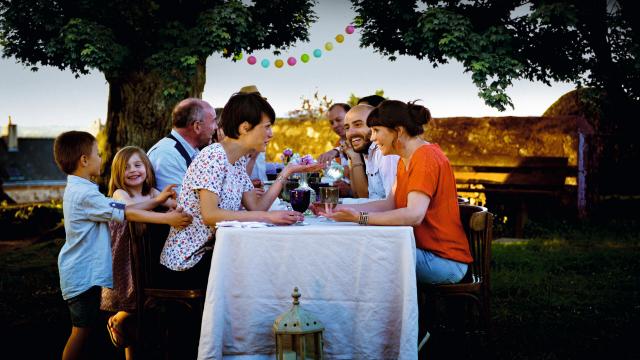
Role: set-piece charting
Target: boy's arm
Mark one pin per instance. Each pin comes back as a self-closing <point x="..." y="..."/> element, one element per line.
<point x="100" y="208"/>
<point x="176" y="218"/>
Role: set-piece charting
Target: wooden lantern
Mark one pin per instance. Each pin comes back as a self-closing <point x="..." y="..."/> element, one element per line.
<point x="298" y="333"/>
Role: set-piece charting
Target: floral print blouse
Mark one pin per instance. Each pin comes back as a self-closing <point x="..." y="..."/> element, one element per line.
<point x="212" y="171"/>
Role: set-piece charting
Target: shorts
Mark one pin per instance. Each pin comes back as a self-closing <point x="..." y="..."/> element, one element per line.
<point x="85" y="308"/>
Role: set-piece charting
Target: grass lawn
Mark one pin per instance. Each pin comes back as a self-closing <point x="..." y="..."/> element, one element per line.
<point x="570" y="292"/>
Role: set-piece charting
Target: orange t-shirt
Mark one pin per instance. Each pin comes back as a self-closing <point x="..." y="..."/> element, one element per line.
<point x="441" y="231"/>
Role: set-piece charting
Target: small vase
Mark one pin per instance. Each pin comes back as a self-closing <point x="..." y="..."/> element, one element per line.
<point x="304" y="184"/>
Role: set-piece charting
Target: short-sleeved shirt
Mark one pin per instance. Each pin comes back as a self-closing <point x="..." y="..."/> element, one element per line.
<point x="440" y="232"/>
<point x="85" y="258"/>
<point x="211" y="171"/>
<point x="381" y="172"/>
<point x="168" y="164"/>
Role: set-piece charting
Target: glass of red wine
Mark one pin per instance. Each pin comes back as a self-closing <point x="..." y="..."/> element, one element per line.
<point x="300" y="199"/>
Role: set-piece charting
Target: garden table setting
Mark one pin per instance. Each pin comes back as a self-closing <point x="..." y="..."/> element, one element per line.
<point x="359" y="281"/>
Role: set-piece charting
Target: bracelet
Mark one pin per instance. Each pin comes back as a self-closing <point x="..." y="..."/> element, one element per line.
<point x="280" y="179"/>
<point x="364" y="218"/>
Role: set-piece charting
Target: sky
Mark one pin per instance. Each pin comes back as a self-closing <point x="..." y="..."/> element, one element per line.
<point x="51" y="99"/>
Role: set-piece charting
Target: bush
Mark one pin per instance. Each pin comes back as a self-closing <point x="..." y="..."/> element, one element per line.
<point x="28" y="220"/>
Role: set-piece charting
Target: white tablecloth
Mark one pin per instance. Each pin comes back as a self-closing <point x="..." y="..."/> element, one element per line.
<point x="359" y="281"/>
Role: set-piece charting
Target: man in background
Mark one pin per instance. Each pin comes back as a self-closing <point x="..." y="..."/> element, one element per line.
<point x="194" y="123"/>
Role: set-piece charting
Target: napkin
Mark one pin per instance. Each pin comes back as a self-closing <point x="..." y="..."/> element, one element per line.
<point x="279" y="204"/>
<point x="243" y="224"/>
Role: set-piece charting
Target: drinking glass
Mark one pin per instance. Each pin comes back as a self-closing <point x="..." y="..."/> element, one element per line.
<point x="316" y="187"/>
<point x="300" y="199"/>
<point x="328" y="200"/>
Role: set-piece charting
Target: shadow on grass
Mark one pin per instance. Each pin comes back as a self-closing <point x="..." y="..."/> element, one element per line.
<point x="571" y="292"/>
<point x="35" y="319"/>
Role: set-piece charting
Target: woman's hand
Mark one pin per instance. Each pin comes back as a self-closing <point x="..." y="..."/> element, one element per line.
<point x="292" y="168"/>
<point x="167" y="193"/>
<point x="343" y="214"/>
<point x="178" y="218"/>
<point x="284" y="217"/>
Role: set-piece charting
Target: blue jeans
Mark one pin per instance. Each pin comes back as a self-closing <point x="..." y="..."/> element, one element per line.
<point x="432" y="269"/>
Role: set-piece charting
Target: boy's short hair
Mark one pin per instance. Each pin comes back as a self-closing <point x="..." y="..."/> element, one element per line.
<point x="69" y="147"/>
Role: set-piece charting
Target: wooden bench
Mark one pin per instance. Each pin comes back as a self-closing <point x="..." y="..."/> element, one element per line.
<point x="518" y="181"/>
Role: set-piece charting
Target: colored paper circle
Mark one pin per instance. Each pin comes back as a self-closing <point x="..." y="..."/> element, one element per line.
<point x="339" y="38"/>
<point x="279" y="63"/>
<point x="328" y="46"/>
<point x="304" y="58"/>
<point x="251" y="60"/>
<point x="291" y="61"/>
<point x="264" y="63"/>
<point x="237" y="56"/>
<point x="349" y="29"/>
<point x="317" y="53"/>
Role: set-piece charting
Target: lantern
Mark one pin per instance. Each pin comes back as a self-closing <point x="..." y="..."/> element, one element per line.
<point x="298" y="333"/>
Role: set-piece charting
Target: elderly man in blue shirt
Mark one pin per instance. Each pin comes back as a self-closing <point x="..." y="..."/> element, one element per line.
<point x="194" y="123"/>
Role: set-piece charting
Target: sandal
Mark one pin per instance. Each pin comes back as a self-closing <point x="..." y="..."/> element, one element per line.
<point x="115" y="333"/>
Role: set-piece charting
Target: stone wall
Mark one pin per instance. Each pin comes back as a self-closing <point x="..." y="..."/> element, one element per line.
<point x="35" y="193"/>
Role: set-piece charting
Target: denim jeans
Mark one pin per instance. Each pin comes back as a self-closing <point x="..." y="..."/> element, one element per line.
<point x="432" y="269"/>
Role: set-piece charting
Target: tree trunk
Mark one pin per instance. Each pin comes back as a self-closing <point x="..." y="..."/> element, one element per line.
<point x="139" y="112"/>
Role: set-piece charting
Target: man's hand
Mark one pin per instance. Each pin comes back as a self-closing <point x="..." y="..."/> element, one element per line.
<point x="328" y="156"/>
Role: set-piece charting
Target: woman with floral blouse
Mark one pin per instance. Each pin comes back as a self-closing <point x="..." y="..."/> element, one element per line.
<point x="216" y="185"/>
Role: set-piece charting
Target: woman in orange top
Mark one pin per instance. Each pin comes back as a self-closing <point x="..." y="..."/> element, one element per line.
<point x="424" y="195"/>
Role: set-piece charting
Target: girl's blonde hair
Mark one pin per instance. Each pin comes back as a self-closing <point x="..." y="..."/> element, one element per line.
<point x="119" y="166"/>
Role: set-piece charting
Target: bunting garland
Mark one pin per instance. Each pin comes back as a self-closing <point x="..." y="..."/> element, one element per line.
<point x="305" y="58"/>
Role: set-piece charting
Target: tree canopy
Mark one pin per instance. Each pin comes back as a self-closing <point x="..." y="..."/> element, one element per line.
<point x="118" y="37"/>
<point x="592" y="43"/>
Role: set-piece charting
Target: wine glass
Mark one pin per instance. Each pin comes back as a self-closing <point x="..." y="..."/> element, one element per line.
<point x="328" y="200"/>
<point x="300" y="199"/>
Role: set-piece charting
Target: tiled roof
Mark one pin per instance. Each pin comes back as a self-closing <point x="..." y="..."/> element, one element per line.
<point x="33" y="161"/>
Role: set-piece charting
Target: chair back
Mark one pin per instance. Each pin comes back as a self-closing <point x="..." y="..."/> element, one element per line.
<point x="148" y="241"/>
<point x="477" y="222"/>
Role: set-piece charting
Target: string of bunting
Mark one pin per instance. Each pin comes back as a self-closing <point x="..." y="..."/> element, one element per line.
<point x="291" y="60"/>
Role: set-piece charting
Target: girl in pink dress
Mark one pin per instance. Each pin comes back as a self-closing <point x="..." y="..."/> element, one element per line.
<point x="132" y="182"/>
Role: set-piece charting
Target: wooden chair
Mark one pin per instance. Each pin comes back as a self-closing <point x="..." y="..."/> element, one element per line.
<point x="475" y="286"/>
<point x="152" y="296"/>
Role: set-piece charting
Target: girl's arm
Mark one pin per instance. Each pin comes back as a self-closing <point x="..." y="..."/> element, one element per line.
<point x="412" y="215"/>
<point x="170" y="203"/>
<point x="166" y="194"/>
<point x="212" y="214"/>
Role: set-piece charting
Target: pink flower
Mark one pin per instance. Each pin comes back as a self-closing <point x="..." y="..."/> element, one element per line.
<point x="307" y="160"/>
<point x="287" y="152"/>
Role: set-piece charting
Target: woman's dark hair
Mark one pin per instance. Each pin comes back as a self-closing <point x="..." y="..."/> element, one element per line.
<point x="394" y="113"/>
<point x="243" y="107"/>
